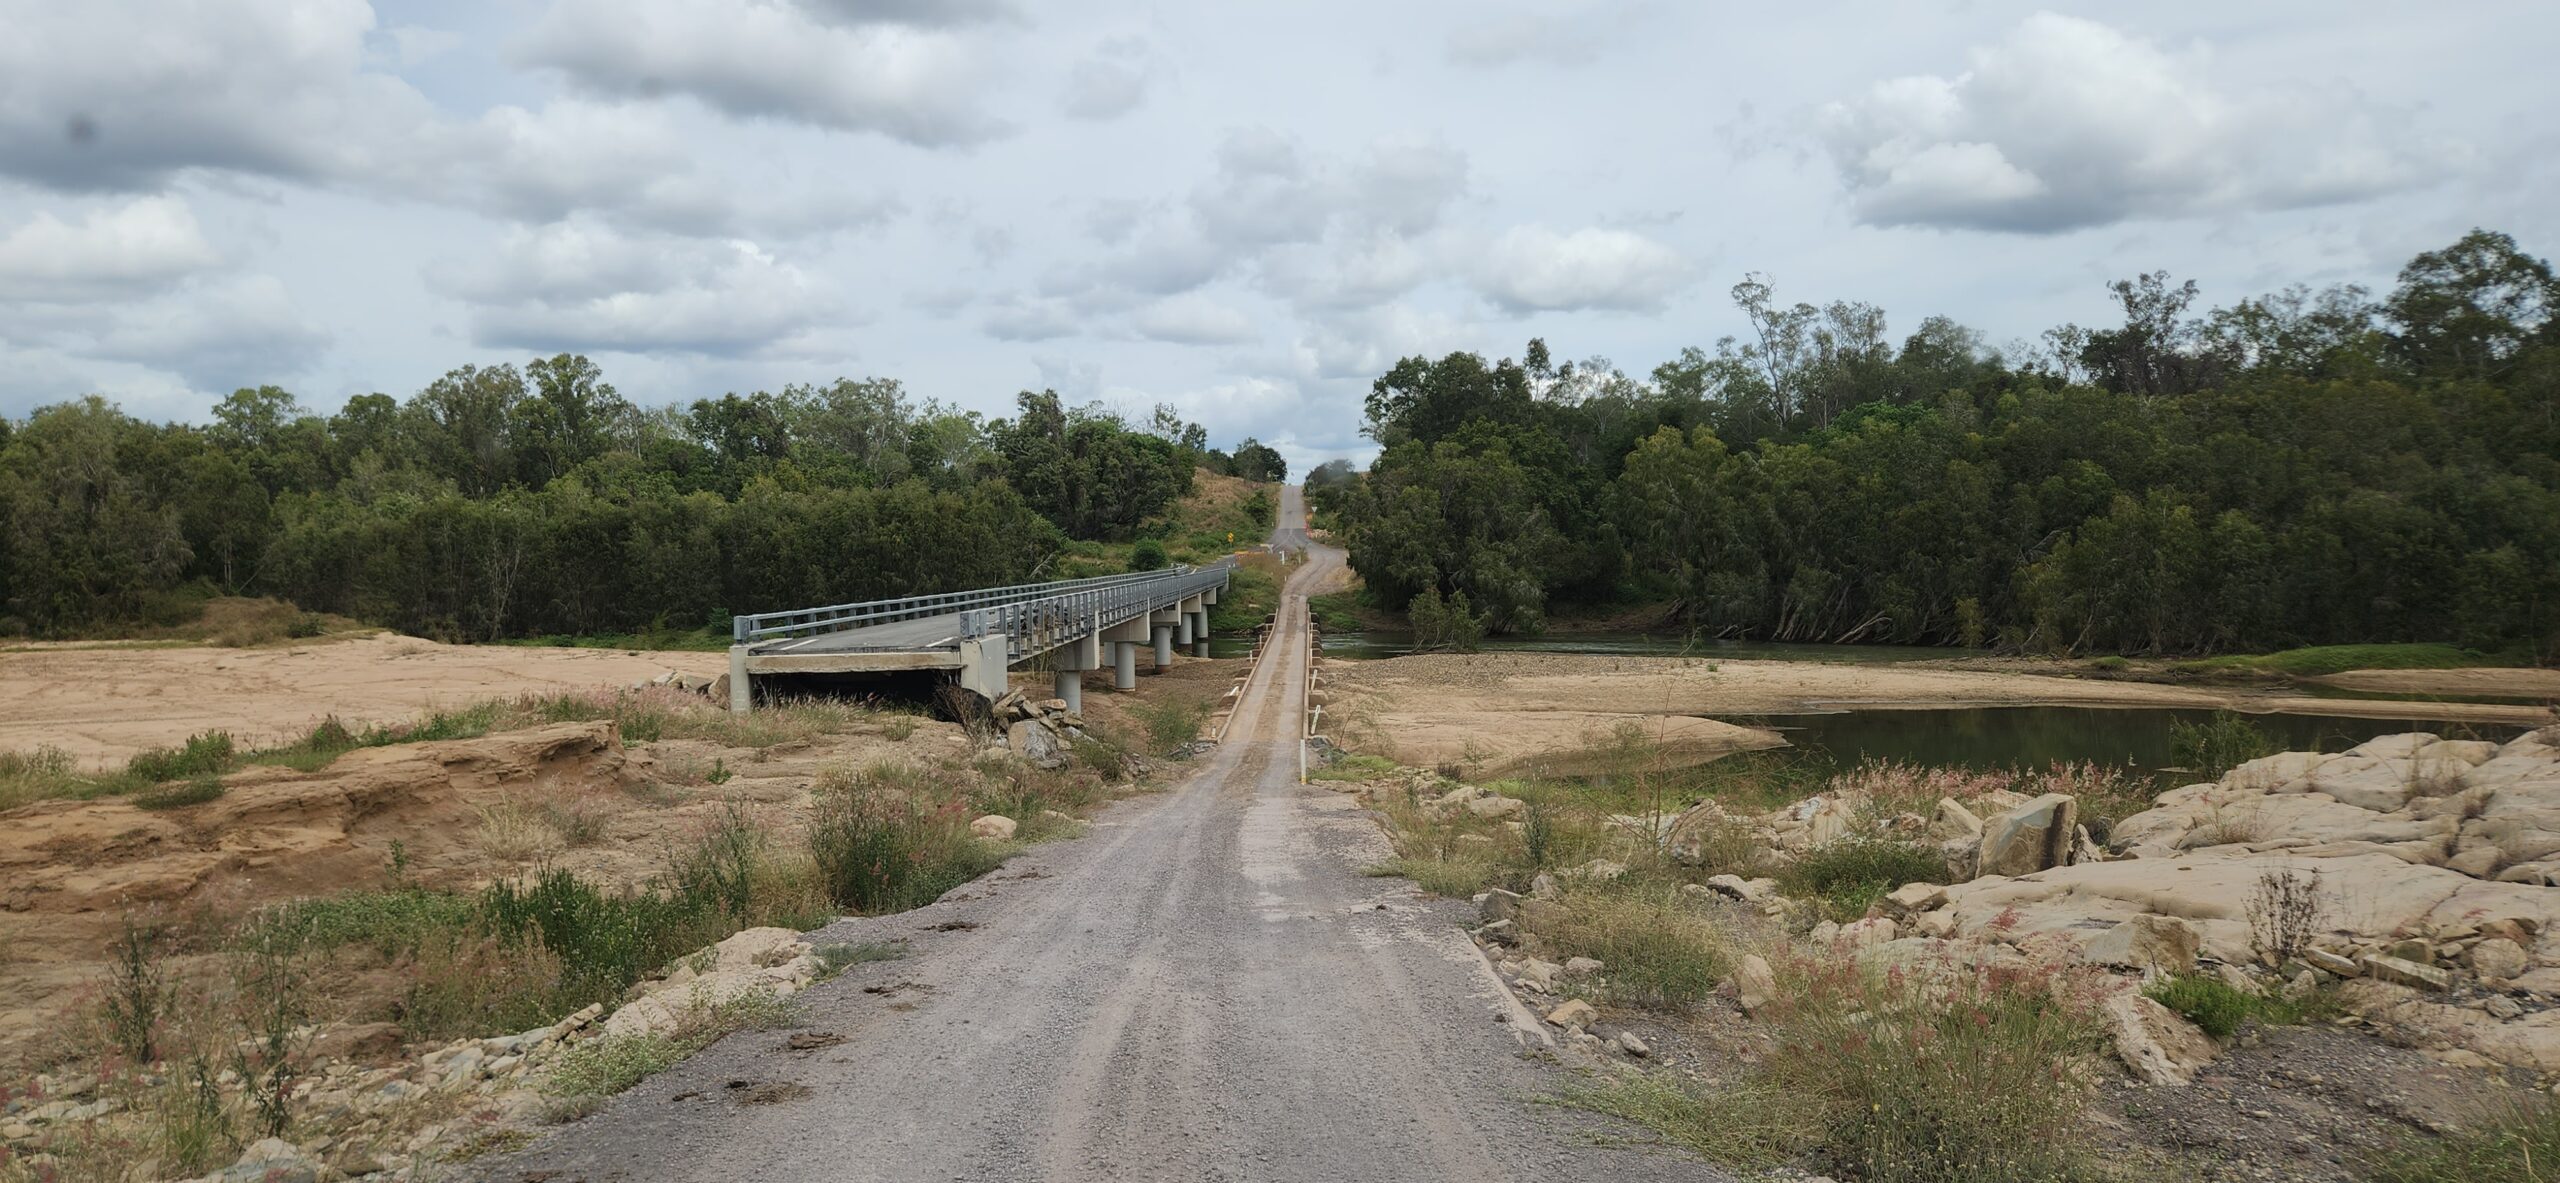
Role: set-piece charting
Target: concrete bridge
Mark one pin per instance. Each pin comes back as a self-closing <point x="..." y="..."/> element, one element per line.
<point x="977" y="635"/>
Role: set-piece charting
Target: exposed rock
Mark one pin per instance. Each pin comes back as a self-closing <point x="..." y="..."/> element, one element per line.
<point x="1749" y="891"/>
<point x="2404" y="972"/>
<point x="1916" y="897"/>
<point x="1498" y="904"/>
<point x="2030" y="838"/>
<point x="1628" y="1043"/>
<point x="1032" y="740"/>
<point x="1573" y="1013"/>
<point x="2152" y="944"/>
<point x="273" y="1160"/>
<point x="995" y="826"/>
<point x="1953" y="821"/>
<point x="1598" y="870"/>
<point x="1755" y="984"/>
<point x="2496" y="959"/>
<point x="2332" y="963"/>
<point x="2152" y="1040"/>
<point x="1493" y="806"/>
<point x="1582" y="967"/>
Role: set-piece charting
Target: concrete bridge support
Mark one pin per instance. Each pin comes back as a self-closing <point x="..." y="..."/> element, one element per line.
<point x="1124" y="665"/>
<point x="1164" y="647"/>
<point x="1070" y="685"/>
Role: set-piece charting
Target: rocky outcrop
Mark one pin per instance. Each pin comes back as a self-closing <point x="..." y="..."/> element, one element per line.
<point x="2030" y="838"/>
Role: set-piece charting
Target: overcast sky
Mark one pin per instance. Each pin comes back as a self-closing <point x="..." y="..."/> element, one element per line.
<point x="1247" y="210"/>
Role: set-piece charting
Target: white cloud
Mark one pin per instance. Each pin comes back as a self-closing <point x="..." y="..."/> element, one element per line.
<point x="128" y="95"/>
<point x="767" y="60"/>
<point x="921" y="13"/>
<point x="2066" y="123"/>
<point x="1194" y="319"/>
<point x="1534" y="269"/>
<point x="1029" y="320"/>
<point x="1108" y="83"/>
<point x="140" y="244"/>
<point x="234" y="332"/>
<point x="583" y="286"/>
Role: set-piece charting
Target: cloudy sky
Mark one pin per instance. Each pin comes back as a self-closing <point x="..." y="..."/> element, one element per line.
<point x="1247" y="210"/>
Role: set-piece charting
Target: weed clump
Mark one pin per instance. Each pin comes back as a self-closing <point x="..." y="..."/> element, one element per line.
<point x="2519" y="1140"/>
<point x="885" y="841"/>
<point x="208" y="753"/>
<point x="1850" y="874"/>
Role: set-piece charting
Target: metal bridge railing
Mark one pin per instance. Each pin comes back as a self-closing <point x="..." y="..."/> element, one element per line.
<point x="801" y="622"/>
<point x="1037" y="625"/>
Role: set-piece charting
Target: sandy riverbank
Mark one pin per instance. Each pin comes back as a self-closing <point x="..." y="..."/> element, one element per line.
<point x="1495" y="711"/>
<point x="104" y="704"/>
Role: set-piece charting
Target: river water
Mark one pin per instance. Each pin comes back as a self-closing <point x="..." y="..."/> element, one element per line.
<point x="1980" y="737"/>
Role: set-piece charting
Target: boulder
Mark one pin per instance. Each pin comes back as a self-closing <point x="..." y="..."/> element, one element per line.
<point x="1582" y="967"/>
<point x="2155" y="1042"/>
<point x="1915" y="897"/>
<point x="2272" y="774"/>
<point x="1755" y="985"/>
<point x="2497" y="959"/>
<point x="2029" y="838"/>
<point x="273" y="1160"/>
<point x="995" y="826"/>
<point x="1495" y="806"/>
<point x="2332" y="963"/>
<point x="2155" y="945"/>
<point x="1498" y="904"/>
<point x="1598" y="870"/>
<point x="2401" y="971"/>
<point x="1628" y="1043"/>
<point x="1953" y="821"/>
<point x="1035" y="742"/>
<point x="1573" y="1013"/>
<point x="1749" y="891"/>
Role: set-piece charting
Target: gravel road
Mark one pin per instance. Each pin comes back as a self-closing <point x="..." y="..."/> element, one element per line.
<point x="1205" y="987"/>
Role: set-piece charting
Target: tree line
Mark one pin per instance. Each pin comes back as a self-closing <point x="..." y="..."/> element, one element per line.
<point x="504" y="502"/>
<point x="2298" y="468"/>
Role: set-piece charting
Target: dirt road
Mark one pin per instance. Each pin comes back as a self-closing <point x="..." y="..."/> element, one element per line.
<point x="1204" y="988"/>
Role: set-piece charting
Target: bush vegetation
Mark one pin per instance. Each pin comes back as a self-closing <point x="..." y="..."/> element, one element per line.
<point x="2218" y="744"/>
<point x="886" y="838"/>
<point x="1849" y="875"/>
<point x="2076" y="496"/>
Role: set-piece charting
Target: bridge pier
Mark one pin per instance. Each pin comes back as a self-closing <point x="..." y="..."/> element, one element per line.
<point x="742" y="685"/>
<point x="1164" y="647"/>
<point x="1070" y="685"/>
<point x="1124" y="665"/>
<point x="1200" y="634"/>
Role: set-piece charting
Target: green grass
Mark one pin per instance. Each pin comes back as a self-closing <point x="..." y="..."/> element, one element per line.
<point x="836" y="957"/>
<point x="1456" y="876"/>
<point x="693" y="640"/>
<point x="1750" y="1126"/>
<point x="1353" y="768"/>
<point x="1336" y="612"/>
<point x="393" y="922"/>
<point x="886" y="839"/>
<point x="2333" y="659"/>
<point x="2518" y="1141"/>
<point x="180" y="794"/>
<point x="1253" y="590"/>
<point x="1850" y="874"/>
<point x="2218" y="1008"/>
<point x="1657" y="949"/>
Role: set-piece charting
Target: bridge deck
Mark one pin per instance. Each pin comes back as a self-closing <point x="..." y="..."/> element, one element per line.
<point x="882" y="637"/>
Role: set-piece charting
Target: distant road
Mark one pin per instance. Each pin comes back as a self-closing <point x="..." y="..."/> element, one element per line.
<point x="1204" y="988"/>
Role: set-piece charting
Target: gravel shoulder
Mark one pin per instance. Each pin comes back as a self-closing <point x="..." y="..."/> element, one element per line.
<point x="1204" y="987"/>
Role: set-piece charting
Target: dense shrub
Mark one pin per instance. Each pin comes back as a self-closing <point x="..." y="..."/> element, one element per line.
<point x="884" y="841"/>
<point x="1852" y="873"/>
